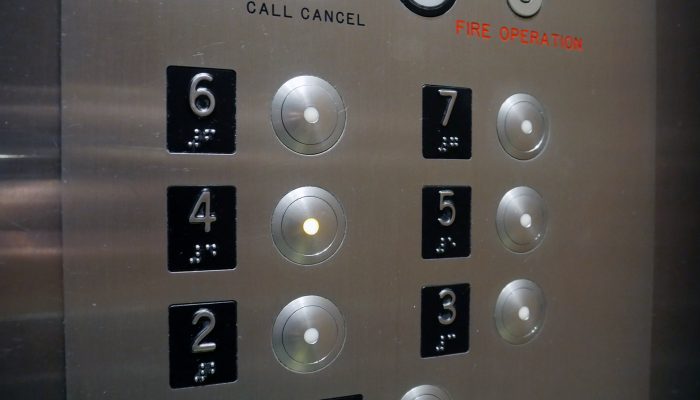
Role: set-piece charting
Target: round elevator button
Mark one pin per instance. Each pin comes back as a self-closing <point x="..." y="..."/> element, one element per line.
<point x="520" y="311"/>
<point x="308" y="334"/>
<point x="308" y="225"/>
<point x="308" y="115"/>
<point x="525" y="8"/>
<point x="429" y="8"/>
<point x="426" y="392"/>
<point x="521" y="219"/>
<point x="523" y="127"/>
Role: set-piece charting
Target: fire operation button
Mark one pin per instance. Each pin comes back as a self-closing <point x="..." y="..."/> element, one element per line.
<point x="525" y="8"/>
<point x="429" y="8"/>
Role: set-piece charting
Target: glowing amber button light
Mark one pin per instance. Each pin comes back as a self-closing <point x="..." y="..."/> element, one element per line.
<point x="311" y="226"/>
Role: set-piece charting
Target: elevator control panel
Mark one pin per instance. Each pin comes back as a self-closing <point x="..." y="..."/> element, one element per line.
<point x="343" y="200"/>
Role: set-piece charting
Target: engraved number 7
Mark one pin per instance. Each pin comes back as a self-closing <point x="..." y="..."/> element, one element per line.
<point x="452" y="94"/>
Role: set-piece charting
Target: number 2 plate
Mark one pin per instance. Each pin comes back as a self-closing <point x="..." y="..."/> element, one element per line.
<point x="203" y="344"/>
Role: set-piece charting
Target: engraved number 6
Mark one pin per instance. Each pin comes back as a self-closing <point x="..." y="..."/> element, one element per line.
<point x="448" y="298"/>
<point x="201" y="109"/>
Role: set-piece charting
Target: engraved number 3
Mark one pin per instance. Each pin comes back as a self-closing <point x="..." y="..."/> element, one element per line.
<point x="449" y="313"/>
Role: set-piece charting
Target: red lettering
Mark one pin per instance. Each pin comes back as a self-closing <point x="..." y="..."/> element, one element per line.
<point x="534" y="37"/>
<point x="503" y="33"/>
<point x="514" y="33"/>
<point x="524" y="36"/>
<point x="556" y="37"/>
<point x="485" y="31"/>
<point x="474" y="29"/>
<point x="545" y="40"/>
<point x="578" y="44"/>
<point x="569" y="42"/>
<point x="459" y="26"/>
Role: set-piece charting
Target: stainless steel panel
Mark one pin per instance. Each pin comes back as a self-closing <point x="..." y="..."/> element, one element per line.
<point x="596" y="176"/>
<point x="31" y="291"/>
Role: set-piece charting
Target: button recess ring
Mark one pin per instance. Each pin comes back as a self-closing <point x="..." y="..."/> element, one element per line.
<point x="523" y="126"/>
<point x="308" y="335"/>
<point x="308" y="115"/>
<point x="426" y="392"/>
<point x="429" y="8"/>
<point x="308" y="225"/>
<point x="525" y="8"/>
<point x="520" y="311"/>
<point x="521" y="219"/>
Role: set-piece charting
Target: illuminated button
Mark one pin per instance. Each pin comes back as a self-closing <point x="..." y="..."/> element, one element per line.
<point x="308" y="225"/>
<point x="520" y="311"/>
<point x="523" y="126"/>
<point x="521" y="219"/>
<point x="308" y="115"/>
<point x="308" y="334"/>
<point x="429" y="8"/>
<point x="426" y="392"/>
<point x="525" y="8"/>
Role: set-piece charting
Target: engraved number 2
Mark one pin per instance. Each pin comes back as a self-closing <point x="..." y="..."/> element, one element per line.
<point x="452" y="94"/>
<point x="449" y="313"/>
<point x="201" y="212"/>
<point x="210" y="322"/>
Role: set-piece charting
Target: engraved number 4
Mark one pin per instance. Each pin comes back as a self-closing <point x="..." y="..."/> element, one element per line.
<point x="201" y="212"/>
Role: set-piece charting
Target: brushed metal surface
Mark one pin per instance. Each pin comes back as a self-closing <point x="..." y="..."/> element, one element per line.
<point x="31" y="291"/>
<point x="596" y="175"/>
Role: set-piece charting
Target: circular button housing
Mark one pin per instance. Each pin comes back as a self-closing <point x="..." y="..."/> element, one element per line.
<point x="308" y="335"/>
<point x="429" y="8"/>
<point x="523" y="126"/>
<point x="520" y="311"/>
<point x="521" y="219"/>
<point x="308" y="115"/>
<point x="308" y="225"/>
<point x="426" y="392"/>
<point x="525" y="8"/>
